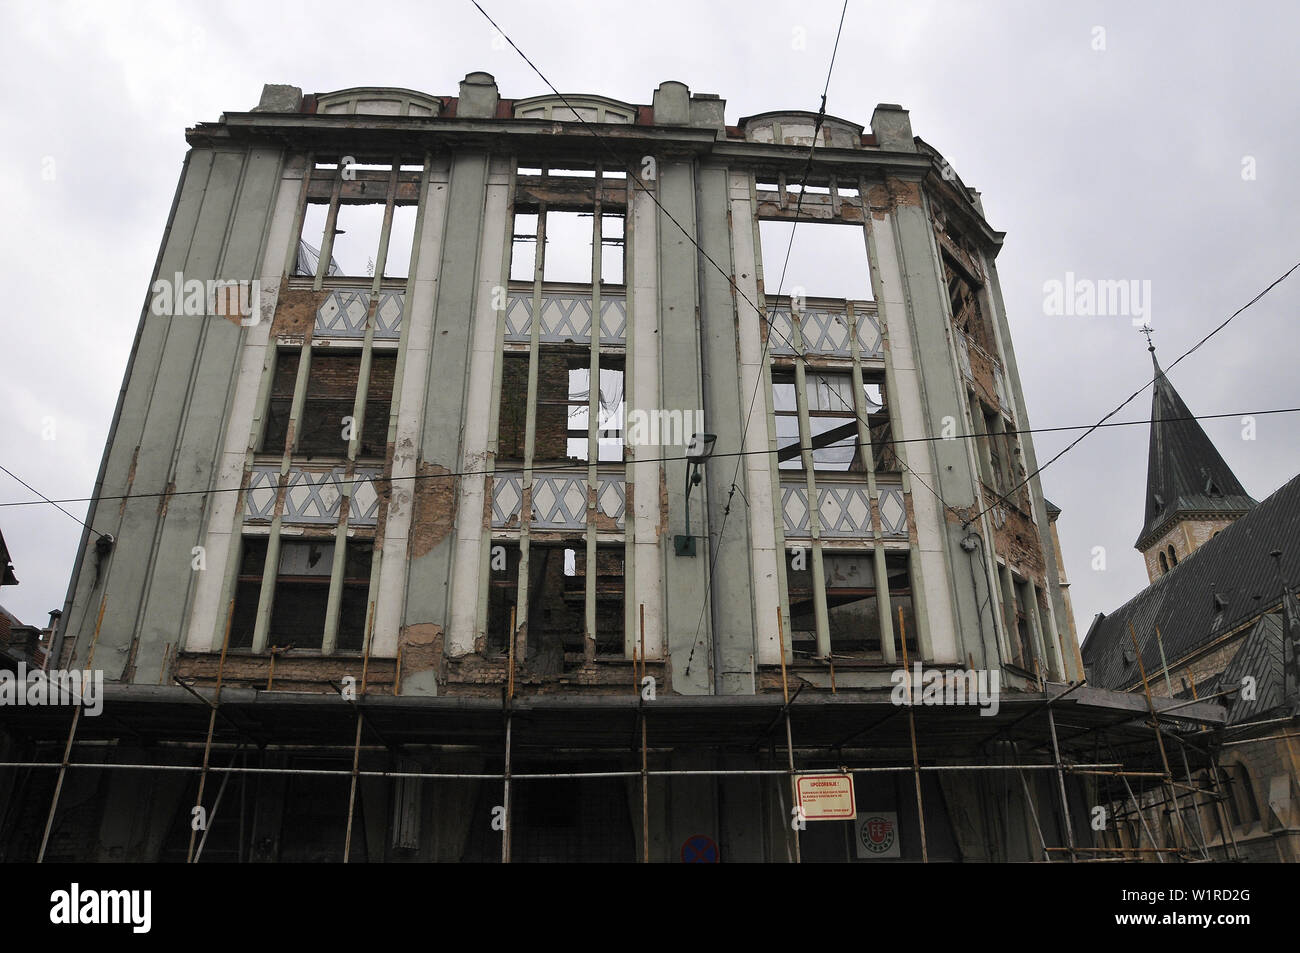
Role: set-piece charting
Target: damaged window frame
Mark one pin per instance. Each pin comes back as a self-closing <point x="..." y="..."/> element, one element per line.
<point x="835" y="592"/>
<point x="601" y="197"/>
<point x="344" y="588"/>
<point x="338" y="185"/>
<point x="371" y="415"/>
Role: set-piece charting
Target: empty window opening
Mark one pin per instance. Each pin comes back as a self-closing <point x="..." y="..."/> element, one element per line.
<point x="611" y="253"/>
<point x="568" y="247"/>
<point x="356" y="239"/>
<point x="248" y="589"/>
<point x="411" y="167"/>
<point x="610" y="615"/>
<point x="832" y="421"/>
<point x="530" y="170"/>
<point x="379" y="403"/>
<point x="803" y="613"/>
<point x="301" y="594"/>
<point x="609" y="433"/>
<point x="967" y="311"/>
<point x="401" y="238"/>
<point x="513" y="419"/>
<point x="827" y="260"/>
<point x="883" y="449"/>
<point x="355" y="602"/>
<point x="556" y="605"/>
<point x="314" y="218"/>
<point x="523" y="253"/>
<point x="852" y="608"/>
<point x="996" y="466"/>
<point x="900" y="597"/>
<point x="1022" y="624"/>
<point x="563" y="392"/>
<point x="283" y="382"/>
<point x="330" y="397"/>
<point x="503" y="594"/>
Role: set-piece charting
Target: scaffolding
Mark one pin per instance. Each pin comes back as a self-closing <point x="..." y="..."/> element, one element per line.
<point x="1072" y="731"/>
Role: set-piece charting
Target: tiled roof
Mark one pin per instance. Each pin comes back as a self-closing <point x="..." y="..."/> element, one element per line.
<point x="1221" y="586"/>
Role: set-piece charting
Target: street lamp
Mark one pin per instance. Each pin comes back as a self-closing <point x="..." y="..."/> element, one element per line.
<point x="699" y="450"/>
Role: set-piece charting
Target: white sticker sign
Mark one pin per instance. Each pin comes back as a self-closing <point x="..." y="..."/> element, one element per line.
<point x="877" y="835"/>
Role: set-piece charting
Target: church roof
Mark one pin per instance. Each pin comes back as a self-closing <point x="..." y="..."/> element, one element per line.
<point x="1185" y="473"/>
<point x="1223" y="584"/>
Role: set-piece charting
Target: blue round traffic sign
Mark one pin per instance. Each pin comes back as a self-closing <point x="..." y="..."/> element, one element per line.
<point x="699" y="850"/>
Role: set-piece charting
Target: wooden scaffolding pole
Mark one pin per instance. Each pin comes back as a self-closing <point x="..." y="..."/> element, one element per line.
<point x="1060" y="780"/>
<point x="645" y="774"/>
<point x="356" y="744"/>
<point x="1187" y="769"/>
<point x="789" y="737"/>
<point x="212" y="723"/>
<point x="1171" y="795"/>
<point x="72" y="731"/>
<point x="911" y="727"/>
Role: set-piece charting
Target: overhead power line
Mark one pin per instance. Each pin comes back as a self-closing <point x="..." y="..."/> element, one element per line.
<point x="568" y="467"/>
<point x="1125" y="402"/>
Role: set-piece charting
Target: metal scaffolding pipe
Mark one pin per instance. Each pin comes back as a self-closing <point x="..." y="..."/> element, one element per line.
<point x="569" y="775"/>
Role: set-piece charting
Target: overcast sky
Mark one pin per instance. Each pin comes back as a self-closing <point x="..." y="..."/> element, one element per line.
<point x="1109" y="140"/>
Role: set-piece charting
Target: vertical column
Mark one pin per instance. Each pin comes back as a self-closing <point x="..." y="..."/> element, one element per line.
<point x="473" y="508"/>
<point x="763" y="493"/>
<point x="645" y="473"/>
<point x="205" y="627"/>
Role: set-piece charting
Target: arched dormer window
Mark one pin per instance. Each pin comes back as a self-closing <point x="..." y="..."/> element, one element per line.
<point x="1164" y="564"/>
<point x="579" y="108"/>
<point x="1173" y="557"/>
<point x="377" y="101"/>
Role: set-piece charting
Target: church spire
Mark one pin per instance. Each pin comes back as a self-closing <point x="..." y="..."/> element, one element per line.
<point x="1188" y="482"/>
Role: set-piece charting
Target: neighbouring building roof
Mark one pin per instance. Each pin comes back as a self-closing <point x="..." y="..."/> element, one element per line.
<point x="1185" y="473"/>
<point x="1218" y="588"/>
<point x="1260" y="657"/>
<point x="7" y="577"/>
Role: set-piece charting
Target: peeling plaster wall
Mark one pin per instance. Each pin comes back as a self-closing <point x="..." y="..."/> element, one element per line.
<point x="168" y="432"/>
<point x="207" y="614"/>
<point x="763" y="496"/>
<point x="909" y="305"/>
<point x="726" y="407"/>
<point x="689" y="635"/>
<point x="474" y="509"/>
<point x="440" y="448"/>
<point x="422" y="291"/>
<point x="195" y="389"/>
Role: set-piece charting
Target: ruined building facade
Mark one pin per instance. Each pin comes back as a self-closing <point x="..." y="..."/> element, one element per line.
<point x="440" y="447"/>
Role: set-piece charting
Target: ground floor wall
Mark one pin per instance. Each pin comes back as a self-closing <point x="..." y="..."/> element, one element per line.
<point x="261" y="813"/>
